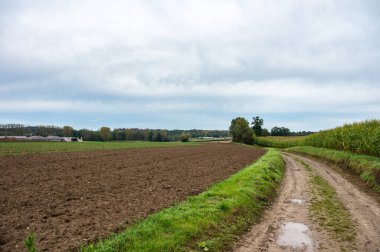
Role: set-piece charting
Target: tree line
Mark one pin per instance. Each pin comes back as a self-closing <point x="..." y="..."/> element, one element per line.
<point x="242" y="132"/>
<point x="106" y="134"/>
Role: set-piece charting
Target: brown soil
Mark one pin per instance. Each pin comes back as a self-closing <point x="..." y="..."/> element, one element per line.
<point x="363" y="208"/>
<point x="264" y="236"/>
<point x="69" y="199"/>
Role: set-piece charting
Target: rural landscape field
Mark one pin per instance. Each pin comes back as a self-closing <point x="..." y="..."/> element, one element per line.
<point x="192" y="125"/>
<point x="213" y="195"/>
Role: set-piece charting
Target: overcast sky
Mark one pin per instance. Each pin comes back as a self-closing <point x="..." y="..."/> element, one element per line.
<point x="305" y="65"/>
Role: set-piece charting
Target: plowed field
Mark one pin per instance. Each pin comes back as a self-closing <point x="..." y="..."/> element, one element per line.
<point x="69" y="199"/>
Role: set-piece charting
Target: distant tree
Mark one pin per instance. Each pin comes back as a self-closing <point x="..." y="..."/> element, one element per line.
<point x="105" y="133"/>
<point x="164" y="136"/>
<point x="67" y="131"/>
<point x="128" y="134"/>
<point x="41" y="131"/>
<point x="185" y="137"/>
<point x="118" y="134"/>
<point x="280" y="131"/>
<point x="257" y="124"/>
<point x="265" y="132"/>
<point x="151" y="136"/>
<point x="240" y="131"/>
<point x="157" y="136"/>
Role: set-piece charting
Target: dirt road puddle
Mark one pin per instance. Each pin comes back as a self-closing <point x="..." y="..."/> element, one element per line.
<point x="296" y="201"/>
<point x="295" y="235"/>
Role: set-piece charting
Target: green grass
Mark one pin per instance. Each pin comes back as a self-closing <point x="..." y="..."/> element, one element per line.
<point x="329" y="212"/>
<point x="16" y="148"/>
<point x="30" y="243"/>
<point x="211" y="220"/>
<point x="280" y="141"/>
<point x="367" y="167"/>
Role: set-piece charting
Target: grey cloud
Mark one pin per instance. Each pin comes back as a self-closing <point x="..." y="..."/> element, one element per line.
<point x="242" y="52"/>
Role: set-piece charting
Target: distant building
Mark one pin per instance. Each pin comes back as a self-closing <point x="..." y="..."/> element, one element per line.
<point x="41" y="138"/>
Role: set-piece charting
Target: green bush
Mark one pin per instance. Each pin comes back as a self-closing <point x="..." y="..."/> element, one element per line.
<point x="185" y="137"/>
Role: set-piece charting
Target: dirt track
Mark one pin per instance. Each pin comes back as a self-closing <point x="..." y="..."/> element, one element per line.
<point x="365" y="210"/>
<point x="268" y="234"/>
<point x="72" y="198"/>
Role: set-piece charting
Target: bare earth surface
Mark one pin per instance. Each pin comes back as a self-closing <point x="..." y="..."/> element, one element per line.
<point x="286" y="225"/>
<point x="364" y="209"/>
<point x="68" y="199"/>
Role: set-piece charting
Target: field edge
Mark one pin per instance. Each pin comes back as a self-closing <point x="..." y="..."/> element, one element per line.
<point x="212" y="220"/>
<point x="24" y="148"/>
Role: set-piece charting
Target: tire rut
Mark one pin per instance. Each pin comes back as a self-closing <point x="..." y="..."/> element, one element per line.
<point x="364" y="209"/>
<point x="286" y="209"/>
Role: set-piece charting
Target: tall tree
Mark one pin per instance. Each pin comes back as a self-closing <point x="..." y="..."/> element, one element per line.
<point x="240" y="131"/>
<point x="257" y="124"/>
<point x="67" y="131"/>
<point x="157" y="136"/>
<point x="105" y="133"/>
<point x="164" y="136"/>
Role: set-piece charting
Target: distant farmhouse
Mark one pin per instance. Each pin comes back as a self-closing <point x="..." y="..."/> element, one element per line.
<point x="41" y="138"/>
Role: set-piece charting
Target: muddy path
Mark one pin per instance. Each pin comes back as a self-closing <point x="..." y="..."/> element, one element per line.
<point x="364" y="210"/>
<point x="287" y="226"/>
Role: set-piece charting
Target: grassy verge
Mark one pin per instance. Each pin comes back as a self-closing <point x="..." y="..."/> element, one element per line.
<point x="17" y="148"/>
<point x="330" y="213"/>
<point x="367" y="167"/>
<point x="211" y="220"/>
<point x="280" y="141"/>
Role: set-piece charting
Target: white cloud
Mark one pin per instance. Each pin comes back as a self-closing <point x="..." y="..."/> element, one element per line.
<point x="227" y="56"/>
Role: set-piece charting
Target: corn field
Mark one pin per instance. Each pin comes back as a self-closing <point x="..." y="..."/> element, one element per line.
<point x="361" y="137"/>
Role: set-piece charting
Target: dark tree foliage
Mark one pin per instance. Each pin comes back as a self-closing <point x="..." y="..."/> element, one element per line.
<point x="301" y="133"/>
<point x="67" y="131"/>
<point x="121" y="134"/>
<point x="265" y="132"/>
<point x="257" y="124"/>
<point x="185" y="137"/>
<point x="240" y="131"/>
<point x="105" y="133"/>
<point x="280" y="131"/>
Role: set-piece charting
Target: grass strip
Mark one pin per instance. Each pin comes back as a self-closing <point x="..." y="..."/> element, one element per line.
<point x="211" y="220"/>
<point x="330" y="213"/>
<point x="18" y="148"/>
<point x="367" y="167"/>
<point x="280" y="141"/>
